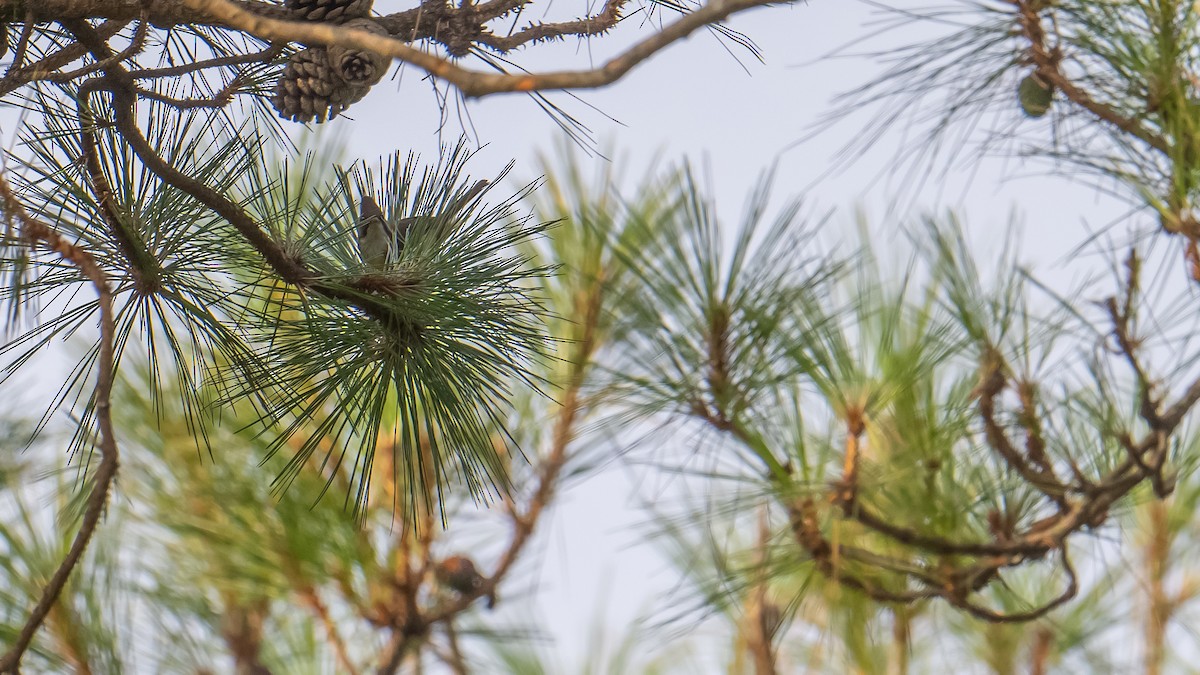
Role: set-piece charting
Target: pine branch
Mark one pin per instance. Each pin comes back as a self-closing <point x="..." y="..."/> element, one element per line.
<point x="37" y="231"/>
<point x="471" y="83"/>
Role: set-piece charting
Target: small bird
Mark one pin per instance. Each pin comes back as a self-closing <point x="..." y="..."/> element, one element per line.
<point x="374" y="234"/>
<point x="380" y="242"/>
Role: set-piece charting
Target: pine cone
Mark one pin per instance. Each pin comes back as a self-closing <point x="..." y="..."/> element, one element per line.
<point x="329" y="10"/>
<point x="356" y="66"/>
<point x="310" y="90"/>
<point x="1035" y="95"/>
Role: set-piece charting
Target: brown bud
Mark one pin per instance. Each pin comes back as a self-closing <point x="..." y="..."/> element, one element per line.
<point x="458" y="573"/>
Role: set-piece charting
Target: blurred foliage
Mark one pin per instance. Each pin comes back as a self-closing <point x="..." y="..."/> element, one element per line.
<point x="227" y="572"/>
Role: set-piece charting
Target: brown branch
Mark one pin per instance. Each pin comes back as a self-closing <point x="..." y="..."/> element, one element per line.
<point x="216" y="62"/>
<point x="1165" y="422"/>
<point x="802" y="518"/>
<point x="168" y="13"/>
<point x="164" y="13"/>
<point x="455" y="659"/>
<point x="992" y="384"/>
<point x="845" y="491"/>
<point x="310" y="598"/>
<point x="64" y="626"/>
<point x="992" y="616"/>
<point x="110" y="213"/>
<point x="1043" y="641"/>
<point x="1173" y="417"/>
<point x="596" y="24"/>
<point x="761" y="631"/>
<point x="569" y="412"/>
<point x="957" y="585"/>
<point x="33" y="230"/>
<point x="940" y="545"/>
<point x="471" y="83"/>
<point x="218" y="100"/>
<point x="1030" y="420"/>
<point x="497" y="8"/>
<point x="135" y="47"/>
<point x="289" y="269"/>
<point x="120" y="84"/>
<point x="242" y="629"/>
<point x="1047" y="59"/>
<point x="22" y="49"/>
<point x="1157" y="559"/>
<point x="1128" y="347"/>
<point x="902" y="618"/>
<point x="46" y="67"/>
<point x="121" y="87"/>
<point x="396" y="650"/>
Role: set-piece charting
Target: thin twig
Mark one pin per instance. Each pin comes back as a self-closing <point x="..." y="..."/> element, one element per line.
<point x="47" y="66"/>
<point x="218" y="100"/>
<point x="22" y="49"/>
<point x="310" y="598"/>
<point x="34" y="230"/>
<point x="135" y="46"/>
<point x="217" y="62"/>
<point x="102" y="189"/>
<point x="454" y="659"/>
<point x="395" y="652"/>
<point x="596" y="24"/>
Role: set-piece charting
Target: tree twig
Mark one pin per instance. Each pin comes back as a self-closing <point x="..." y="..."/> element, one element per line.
<point x="34" y="230"/>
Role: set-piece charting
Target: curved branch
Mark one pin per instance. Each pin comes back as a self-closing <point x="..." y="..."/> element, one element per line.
<point x="1046" y="59"/>
<point x="37" y="231"/>
<point x="471" y="83"/>
<point x="992" y="616"/>
<point x="136" y="44"/>
<point x="46" y="67"/>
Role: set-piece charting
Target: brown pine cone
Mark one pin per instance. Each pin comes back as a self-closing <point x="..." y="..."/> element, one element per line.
<point x="329" y="10"/>
<point x="356" y="66"/>
<point x="310" y="90"/>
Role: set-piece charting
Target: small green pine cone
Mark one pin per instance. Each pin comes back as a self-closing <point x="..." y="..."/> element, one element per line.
<point x="1035" y="95"/>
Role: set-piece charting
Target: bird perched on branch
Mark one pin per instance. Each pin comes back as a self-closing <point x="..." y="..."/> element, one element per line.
<point x="380" y="241"/>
